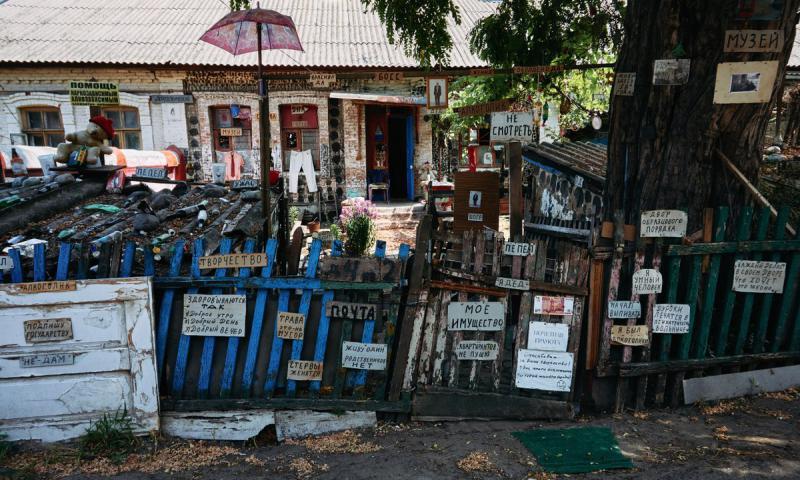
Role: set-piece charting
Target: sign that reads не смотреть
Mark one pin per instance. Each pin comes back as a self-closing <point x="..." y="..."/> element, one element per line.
<point x="476" y="350"/>
<point x="758" y="277"/>
<point x="214" y="315"/>
<point x="552" y="337"/>
<point x="479" y="316"/>
<point x="671" y="318"/>
<point x="364" y="356"/>
<point x="511" y="126"/>
<point x="663" y="223"/>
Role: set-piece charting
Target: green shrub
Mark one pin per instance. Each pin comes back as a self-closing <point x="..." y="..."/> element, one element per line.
<point x="111" y="437"/>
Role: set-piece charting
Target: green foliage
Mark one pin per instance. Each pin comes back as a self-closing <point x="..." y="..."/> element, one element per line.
<point x="361" y="235"/>
<point x="111" y="437"/>
<point x="294" y="214"/>
<point x="335" y="232"/>
<point x="239" y="5"/>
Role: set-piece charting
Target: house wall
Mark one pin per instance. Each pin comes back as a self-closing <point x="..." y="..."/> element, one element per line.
<point x="561" y="196"/>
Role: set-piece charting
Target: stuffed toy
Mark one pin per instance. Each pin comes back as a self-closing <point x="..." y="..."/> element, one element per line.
<point x="86" y="147"/>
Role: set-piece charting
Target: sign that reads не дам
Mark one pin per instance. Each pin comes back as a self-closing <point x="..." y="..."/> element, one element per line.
<point x="214" y="315"/>
<point x="511" y="126"/>
<point x="364" y="356"/>
<point x="476" y="350"/>
<point x="479" y="316"/>
<point x="88" y="94"/>
<point x="758" y="277"/>
<point x="663" y="223"/>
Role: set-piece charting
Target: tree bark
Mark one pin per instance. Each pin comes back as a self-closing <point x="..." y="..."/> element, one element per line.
<point x="662" y="139"/>
<point x="792" y="118"/>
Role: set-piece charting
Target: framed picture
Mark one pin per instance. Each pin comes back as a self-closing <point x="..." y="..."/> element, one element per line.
<point x="671" y="71"/>
<point x="437" y="92"/>
<point x="745" y="82"/>
<point x="475" y="199"/>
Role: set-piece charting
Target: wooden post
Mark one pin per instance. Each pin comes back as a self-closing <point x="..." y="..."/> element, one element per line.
<point x="515" y="188"/>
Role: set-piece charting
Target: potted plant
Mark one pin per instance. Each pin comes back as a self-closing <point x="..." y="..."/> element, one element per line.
<point x="357" y="226"/>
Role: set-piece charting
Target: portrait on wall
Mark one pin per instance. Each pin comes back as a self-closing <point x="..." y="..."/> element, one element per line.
<point x="475" y="199"/>
<point x="437" y="92"/>
<point x="745" y="82"/>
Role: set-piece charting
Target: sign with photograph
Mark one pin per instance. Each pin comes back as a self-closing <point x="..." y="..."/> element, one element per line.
<point x="516" y="249"/>
<point x="624" y="84"/>
<point x="477" y="350"/>
<point x="663" y="223"/>
<point x="511" y="126"/>
<point x="753" y="41"/>
<point x="624" y="309"/>
<point x="512" y="283"/>
<point x="475" y="199"/>
<point x="745" y="82"/>
<point x="632" y="336"/>
<point x="545" y="305"/>
<point x="291" y="326"/>
<point x="89" y="94"/>
<point x="214" y="315"/>
<point x="758" y="277"/>
<point x="47" y="330"/>
<point x="552" y="337"/>
<point x="550" y="371"/>
<point x="671" y="318"/>
<point x="671" y="71"/>
<point x="364" y="356"/>
<point x="304" y="370"/>
<point x="476" y="316"/>
<point x="436" y="92"/>
<point x="647" y="280"/>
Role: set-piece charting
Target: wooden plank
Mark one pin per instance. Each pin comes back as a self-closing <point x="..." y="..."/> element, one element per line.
<point x="457" y="287"/>
<point x="226" y="381"/>
<point x="499" y="337"/>
<point x="369" y="324"/>
<point x="732" y="385"/>
<point x="466" y="260"/>
<point x="446" y="403"/>
<point x="16" y="271"/>
<point x="259" y="310"/>
<point x="747" y="304"/>
<point x="433" y="322"/>
<point x="273" y="368"/>
<point x="237" y="425"/>
<point x="302" y="423"/>
<point x="165" y="312"/>
<point x="305" y="305"/>
<point x="336" y="405"/>
<point x="321" y="340"/>
<point x="64" y="253"/>
<point x="515" y="203"/>
<point x="289" y="283"/>
<point x="704" y="327"/>
<point x="128" y="257"/>
<point x="641" y="385"/>
<point x="440" y="349"/>
<point x="207" y="355"/>
<point x="182" y="357"/>
<point x="39" y="262"/>
<point x="627" y="351"/>
<point x="766" y="299"/>
<point x="103" y="269"/>
<point x="787" y="303"/>
<point x="149" y="262"/>
<point x="686" y="339"/>
<point x="658" y="367"/>
<point x="752" y="246"/>
<point x="608" y="322"/>
<point x="742" y="233"/>
<point x="116" y="255"/>
<point x="362" y="269"/>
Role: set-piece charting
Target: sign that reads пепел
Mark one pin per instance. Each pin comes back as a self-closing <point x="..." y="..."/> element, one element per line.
<point x="233" y="260"/>
<point x="47" y="330"/>
<point x="364" y="356"/>
<point x="758" y="277"/>
<point x="550" y="371"/>
<point x="663" y="223"/>
<point x="671" y="318"/>
<point x="511" y="126"/>
<point x="302" y="370"/>
<point x="518" y="249"/>
<point x="47" y="360"/>
<point x="351" y="311"/>
<point x="544" y="305"/>
<point x="157" y="173"/>
<point x="512" y="283"/>
<point x="552" y="337"/>
<point x="477" y="316"/>
<point x="214" y="315"/>
<point x="753" y="41"/>
<point x="631" y="335"/>
<point x="647" y="280"/>
<point x="476" y="350"/>
<point x="82" y="93"/>
<point x="291" y="326"/>
<point x="624" y="309"/>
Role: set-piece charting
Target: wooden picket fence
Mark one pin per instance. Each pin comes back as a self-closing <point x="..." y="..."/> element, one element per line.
<point x="728" y="330"/>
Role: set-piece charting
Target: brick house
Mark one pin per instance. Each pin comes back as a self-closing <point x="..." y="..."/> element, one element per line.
<point x="371" y="125"/>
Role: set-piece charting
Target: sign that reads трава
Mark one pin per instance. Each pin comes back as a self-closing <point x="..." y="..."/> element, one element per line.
<point x="511" y="126"/>
<point x="477" y="316"/>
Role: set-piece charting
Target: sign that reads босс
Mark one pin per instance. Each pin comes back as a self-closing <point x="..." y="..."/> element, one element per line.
<point x="511" y="126"/>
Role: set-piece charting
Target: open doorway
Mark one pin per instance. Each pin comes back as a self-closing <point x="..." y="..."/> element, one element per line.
<point x="390" y="151"/>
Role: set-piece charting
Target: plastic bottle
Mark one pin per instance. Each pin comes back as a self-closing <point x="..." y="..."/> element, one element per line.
<point x="18" y="168"/>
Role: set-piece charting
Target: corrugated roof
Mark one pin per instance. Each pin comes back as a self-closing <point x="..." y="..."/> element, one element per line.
<point x="334" y="33"/>
<point x="586" y="158"/>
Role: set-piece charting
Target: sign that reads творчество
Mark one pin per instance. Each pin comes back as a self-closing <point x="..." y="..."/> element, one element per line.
<point x="478" y="316"/>
<point x="511" y="126"/>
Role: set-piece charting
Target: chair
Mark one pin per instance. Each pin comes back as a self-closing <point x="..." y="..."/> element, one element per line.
<point x="378" y="180"/>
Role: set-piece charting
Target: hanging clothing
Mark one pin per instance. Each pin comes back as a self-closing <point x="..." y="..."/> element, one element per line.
<point x="302" y="161"/>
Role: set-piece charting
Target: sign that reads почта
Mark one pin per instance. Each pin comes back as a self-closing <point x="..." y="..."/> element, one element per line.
<point x="479" y="316"/>
<point x="511" y="126"/>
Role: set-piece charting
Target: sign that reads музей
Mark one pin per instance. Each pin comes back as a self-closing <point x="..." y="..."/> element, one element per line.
<point x="214" y="315"/>
<point x="479" y="316"/>
<point x="364" y="356"/>
<point x="551" y="371"/>
<point x="758" y="277"/>
<point x="511" y="126"/>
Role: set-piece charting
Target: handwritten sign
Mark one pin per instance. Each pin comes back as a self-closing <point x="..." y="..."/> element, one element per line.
<point x="476" y="316"/>
<point x="663" y="223"/>
<point x="322" y="80"/>
<point x="624" y="84"/>
<point x="647" y="280"/>
<point x="214" y="315"/>
<point x="47" y="360"/>
<point x="552" y="337"/>
<point x="519" y="249"/>
<point x="474" y="217"/>
<point x="543" y="305"/>
<point x="233" y="260"/>
<point x="6" y="262"/>
<point x="42" y="287"/>
<point x="246" y="184"/>
<point x="351" y="311"/>
<point x="302" y="370"/>
<point x="483" y="108"/>
<point x="387" y="76"/>
<point x="364" y="356"/>
<point x="158" y="99"/>
<point x="230" y="132"/>
<point x="291" y="326"/>
<point x="477" y="350"/>
<point x="85" y="93"/>
<point x="753" y="41"/>
<point x="157" y="173"/>
<point x="512" y="283"/>
<point x="758" y="277"/>
<point x="671" y="318"/>
<point x="511" y="126"/>
<point x="47" y="330"/>
<point x="634" y="336"/>
<point x="624" y="309"/>
<point x="550" y="371"/>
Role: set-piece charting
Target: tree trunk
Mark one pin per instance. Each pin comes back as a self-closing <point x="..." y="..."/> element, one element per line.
<point x="792" y="118"/>
<point x="662" y="139"/>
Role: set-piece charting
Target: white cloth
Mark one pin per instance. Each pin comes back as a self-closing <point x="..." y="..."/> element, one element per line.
<point x="277" y="163"/>
<point x="302" y="161"/>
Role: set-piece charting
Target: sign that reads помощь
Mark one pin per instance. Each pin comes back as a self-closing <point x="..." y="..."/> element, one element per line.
<point x="88" y="94"/>
<point x="511" y="126"/>
<point x="478" y="316"/>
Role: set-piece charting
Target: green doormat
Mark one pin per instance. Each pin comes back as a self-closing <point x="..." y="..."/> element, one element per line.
<point x="574" y="450"/>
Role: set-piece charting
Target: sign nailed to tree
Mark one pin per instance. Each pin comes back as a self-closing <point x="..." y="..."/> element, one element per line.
<point x="663" y="223"/>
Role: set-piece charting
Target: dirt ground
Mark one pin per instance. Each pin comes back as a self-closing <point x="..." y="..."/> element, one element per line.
<point x="746" y="438"/>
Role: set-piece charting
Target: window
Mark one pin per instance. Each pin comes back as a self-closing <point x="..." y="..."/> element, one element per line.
<point x="43" y="126"/>
<point x="127" y="132"/>
<point x="299" y="132"/>
<point x="231" y="128"/>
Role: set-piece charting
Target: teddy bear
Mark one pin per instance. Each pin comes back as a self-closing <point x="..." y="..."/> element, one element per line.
<point x="86" y="146"/>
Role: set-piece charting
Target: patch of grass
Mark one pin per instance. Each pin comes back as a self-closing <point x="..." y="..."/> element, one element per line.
<point x="110" y="437"/>
<point x="5" y="448"/>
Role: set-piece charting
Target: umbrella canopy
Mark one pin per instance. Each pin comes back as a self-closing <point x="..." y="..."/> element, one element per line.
<point x="236" y="32"/>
